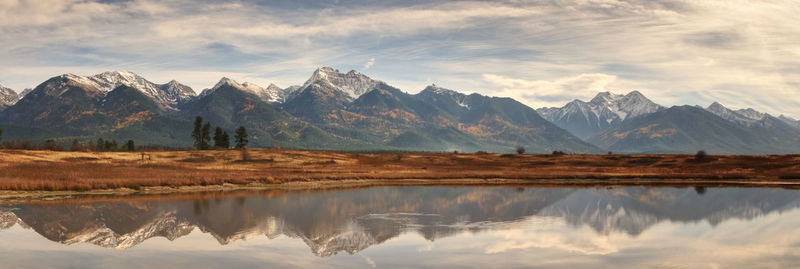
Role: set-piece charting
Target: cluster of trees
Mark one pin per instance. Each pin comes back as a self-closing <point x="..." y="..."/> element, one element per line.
<point x="103" y="145"/>
<point x="202" y="136"/>
<point x="50" y="144"/>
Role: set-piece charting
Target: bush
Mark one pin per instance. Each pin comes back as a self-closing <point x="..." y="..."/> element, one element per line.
<point x="558" y="153"/>
<point x="52" y="145"/>
<point x="520" y="150"/>
<point x="16" y="144"/>
<point x="700" y="155"/>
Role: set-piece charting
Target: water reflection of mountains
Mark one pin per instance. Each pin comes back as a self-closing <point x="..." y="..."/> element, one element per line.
<point x="352" y="220"/>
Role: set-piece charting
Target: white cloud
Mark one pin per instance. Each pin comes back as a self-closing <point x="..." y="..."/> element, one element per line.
<point x="369" y="63"/>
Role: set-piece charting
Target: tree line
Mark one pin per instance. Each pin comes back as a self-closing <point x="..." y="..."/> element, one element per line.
<point x="202" y="136"/>
<point x="76" y="145"/>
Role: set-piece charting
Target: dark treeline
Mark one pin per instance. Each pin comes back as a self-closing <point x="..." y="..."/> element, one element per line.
<point x="76" y="145"/>
<point x="202" y="136"/>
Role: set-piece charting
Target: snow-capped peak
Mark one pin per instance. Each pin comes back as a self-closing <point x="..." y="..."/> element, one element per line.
<point x="7" y="97"/>
<point x="752" y="114"/>
<point x="745" y="117"/>
<point x="265" y="94"/>
<point x="278" y="94"/>
<point x="167" y="95"/>
<point x="442" y="91"/>
<point x="112" y="79"/>
<point x="791" y="121"/>
<point x="226" y="81"/>
<point x="606" y="109"/>
<point x="353" y="83"/>
<point x="458" y="97"/>
<point x="626" y="106"/>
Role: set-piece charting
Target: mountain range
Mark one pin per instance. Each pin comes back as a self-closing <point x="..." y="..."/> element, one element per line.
<point x="632" y="123"/>
<point x="351" y="111"/>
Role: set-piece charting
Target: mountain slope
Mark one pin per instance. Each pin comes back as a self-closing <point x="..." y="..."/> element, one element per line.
<point x="317" y="103"/>
<point x="66" y="102"/>
<point x="72" y="106"/>
<point x="229" y="106"/>
<point x="408" y="122"/>
<point x="605" y="110"/>
<point x="790" y="121"/>
<point x="501" y="123"/>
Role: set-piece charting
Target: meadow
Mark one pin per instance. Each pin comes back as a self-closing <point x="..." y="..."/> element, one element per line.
<point x="41" y="170"/>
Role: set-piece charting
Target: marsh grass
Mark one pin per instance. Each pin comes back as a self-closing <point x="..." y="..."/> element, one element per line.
<point x="79" y="171"/>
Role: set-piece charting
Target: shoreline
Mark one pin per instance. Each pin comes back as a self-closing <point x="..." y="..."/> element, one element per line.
<point x="8" y="197"/>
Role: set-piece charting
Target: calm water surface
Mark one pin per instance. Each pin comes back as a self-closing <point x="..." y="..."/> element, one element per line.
<point x="478" y="227"/>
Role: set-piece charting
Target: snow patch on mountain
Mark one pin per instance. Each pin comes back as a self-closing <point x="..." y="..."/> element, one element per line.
<point x="790" y="121"/>
<point x="7" y="97"/>
<point x="272" y="93"/>
<point x="168" y="95"/>
<point x="746" y="117"/>
<point x="459" y="98"/>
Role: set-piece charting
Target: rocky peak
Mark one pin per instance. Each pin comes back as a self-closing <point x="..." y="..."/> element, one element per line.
<point x="790" y="121"/>
<point x="224" y="81"/>
<point x="7" y="97"/>
<point x="353" y="83"/>
<point x="746" y="117"/>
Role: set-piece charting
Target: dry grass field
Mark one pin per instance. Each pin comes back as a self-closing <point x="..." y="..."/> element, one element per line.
<point x="22" y="170"/>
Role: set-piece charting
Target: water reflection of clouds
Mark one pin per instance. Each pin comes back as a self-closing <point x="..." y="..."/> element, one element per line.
<point x="584" y="228"/>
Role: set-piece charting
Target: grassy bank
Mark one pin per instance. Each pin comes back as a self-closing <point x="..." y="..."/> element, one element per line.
<point x="22" y="170"/>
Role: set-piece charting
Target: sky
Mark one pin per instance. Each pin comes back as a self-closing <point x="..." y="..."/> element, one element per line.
<point x="742" y="53"/>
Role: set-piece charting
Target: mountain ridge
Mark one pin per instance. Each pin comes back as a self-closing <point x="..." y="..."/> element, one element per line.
<point x="351" y="111"/>
<point x="605" y="110"/>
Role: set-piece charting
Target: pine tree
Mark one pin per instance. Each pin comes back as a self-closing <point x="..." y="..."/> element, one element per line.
<point x="218" y="143"/>
<point x="241" y="137"/>
<point x="111" y="145"/>
<point x="226" y="140"/>
<point x="76" y="145"/>
<point x="101" y="144"/>
<point x="205" y="137"/>
<point x="197" y="132"/>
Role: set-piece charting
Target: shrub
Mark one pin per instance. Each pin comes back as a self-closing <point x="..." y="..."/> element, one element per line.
<point x="700" y="155"/>
<point x="52" y="145"/>
<point x="520" y="150"/>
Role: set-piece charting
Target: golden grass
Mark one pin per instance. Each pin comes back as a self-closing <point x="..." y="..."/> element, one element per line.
<point x="50" y="171"/>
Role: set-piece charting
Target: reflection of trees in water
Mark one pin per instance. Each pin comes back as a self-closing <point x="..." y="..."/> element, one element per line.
<point x="700" y="190"/>
<point x="352" y="220"/>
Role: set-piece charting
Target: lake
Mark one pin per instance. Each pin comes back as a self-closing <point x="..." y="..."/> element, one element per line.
<point x="411" y="227"/>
